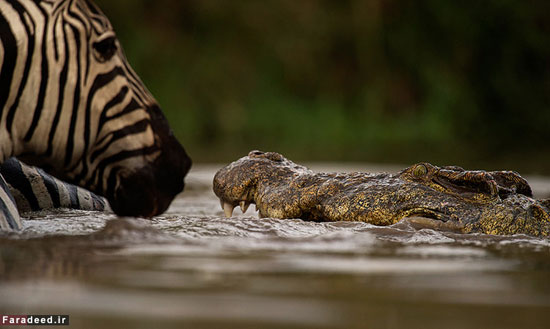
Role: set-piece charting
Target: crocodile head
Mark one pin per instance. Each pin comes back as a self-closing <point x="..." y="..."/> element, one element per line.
<point x="498" y="202"/>
<point x="236" y="184"/>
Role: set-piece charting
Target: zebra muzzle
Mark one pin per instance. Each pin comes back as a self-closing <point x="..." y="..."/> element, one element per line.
<point x="149" y="191"/>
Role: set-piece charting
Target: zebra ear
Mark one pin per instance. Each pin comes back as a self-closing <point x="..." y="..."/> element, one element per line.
<point x="105" y="47"/>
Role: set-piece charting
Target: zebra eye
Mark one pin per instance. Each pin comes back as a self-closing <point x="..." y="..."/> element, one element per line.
<point x="105" y="48"/>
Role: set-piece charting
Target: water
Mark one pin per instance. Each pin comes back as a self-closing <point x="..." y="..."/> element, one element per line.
<point x="192" y="268"/>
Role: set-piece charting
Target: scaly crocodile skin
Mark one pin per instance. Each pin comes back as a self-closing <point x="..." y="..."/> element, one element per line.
<point x="496" y="202"/>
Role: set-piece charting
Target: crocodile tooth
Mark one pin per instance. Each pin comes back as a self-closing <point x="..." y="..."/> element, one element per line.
<point x="228" y="209"/>
<point x="221" y="203"/>
<point x="244" y="206"/>
<point x="493" y="187"/>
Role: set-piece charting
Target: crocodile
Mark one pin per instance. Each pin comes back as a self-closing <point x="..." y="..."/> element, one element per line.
<point x="447" y="198"/>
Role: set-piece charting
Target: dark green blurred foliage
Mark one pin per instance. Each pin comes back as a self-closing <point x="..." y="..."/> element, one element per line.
<point x="461" y="82"/>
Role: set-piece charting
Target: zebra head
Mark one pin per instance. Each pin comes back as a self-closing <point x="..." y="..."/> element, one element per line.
<point x="80" y="111"/>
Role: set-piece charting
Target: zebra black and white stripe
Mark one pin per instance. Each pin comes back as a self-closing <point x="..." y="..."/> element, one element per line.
<point x="33" y="190"/>
<point x="71" y="104"/>
<point x="9" y="216"/>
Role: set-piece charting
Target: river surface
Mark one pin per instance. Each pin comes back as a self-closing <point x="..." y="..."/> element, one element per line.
<point x="193" y="268"/>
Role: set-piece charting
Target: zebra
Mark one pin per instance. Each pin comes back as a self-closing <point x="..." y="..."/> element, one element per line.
<point x="71" y="104"/>
<point x="33" y="190"/>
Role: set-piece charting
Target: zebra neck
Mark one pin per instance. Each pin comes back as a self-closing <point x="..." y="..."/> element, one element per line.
<point x="42" y="81"/>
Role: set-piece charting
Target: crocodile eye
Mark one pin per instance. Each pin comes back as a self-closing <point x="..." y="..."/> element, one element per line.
<point x="420" y="170"/>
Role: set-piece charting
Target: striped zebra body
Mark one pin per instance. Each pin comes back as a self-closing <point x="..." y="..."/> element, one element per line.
<point x="71" y="104"/>
<point x="9" y="216"/>
<point x="33" y="190"/>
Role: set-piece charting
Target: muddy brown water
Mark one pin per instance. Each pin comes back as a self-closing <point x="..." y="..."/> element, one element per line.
<point x="193" y="268"/>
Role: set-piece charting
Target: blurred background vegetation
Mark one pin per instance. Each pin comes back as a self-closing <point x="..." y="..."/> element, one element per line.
<point x="450" y="82"/>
